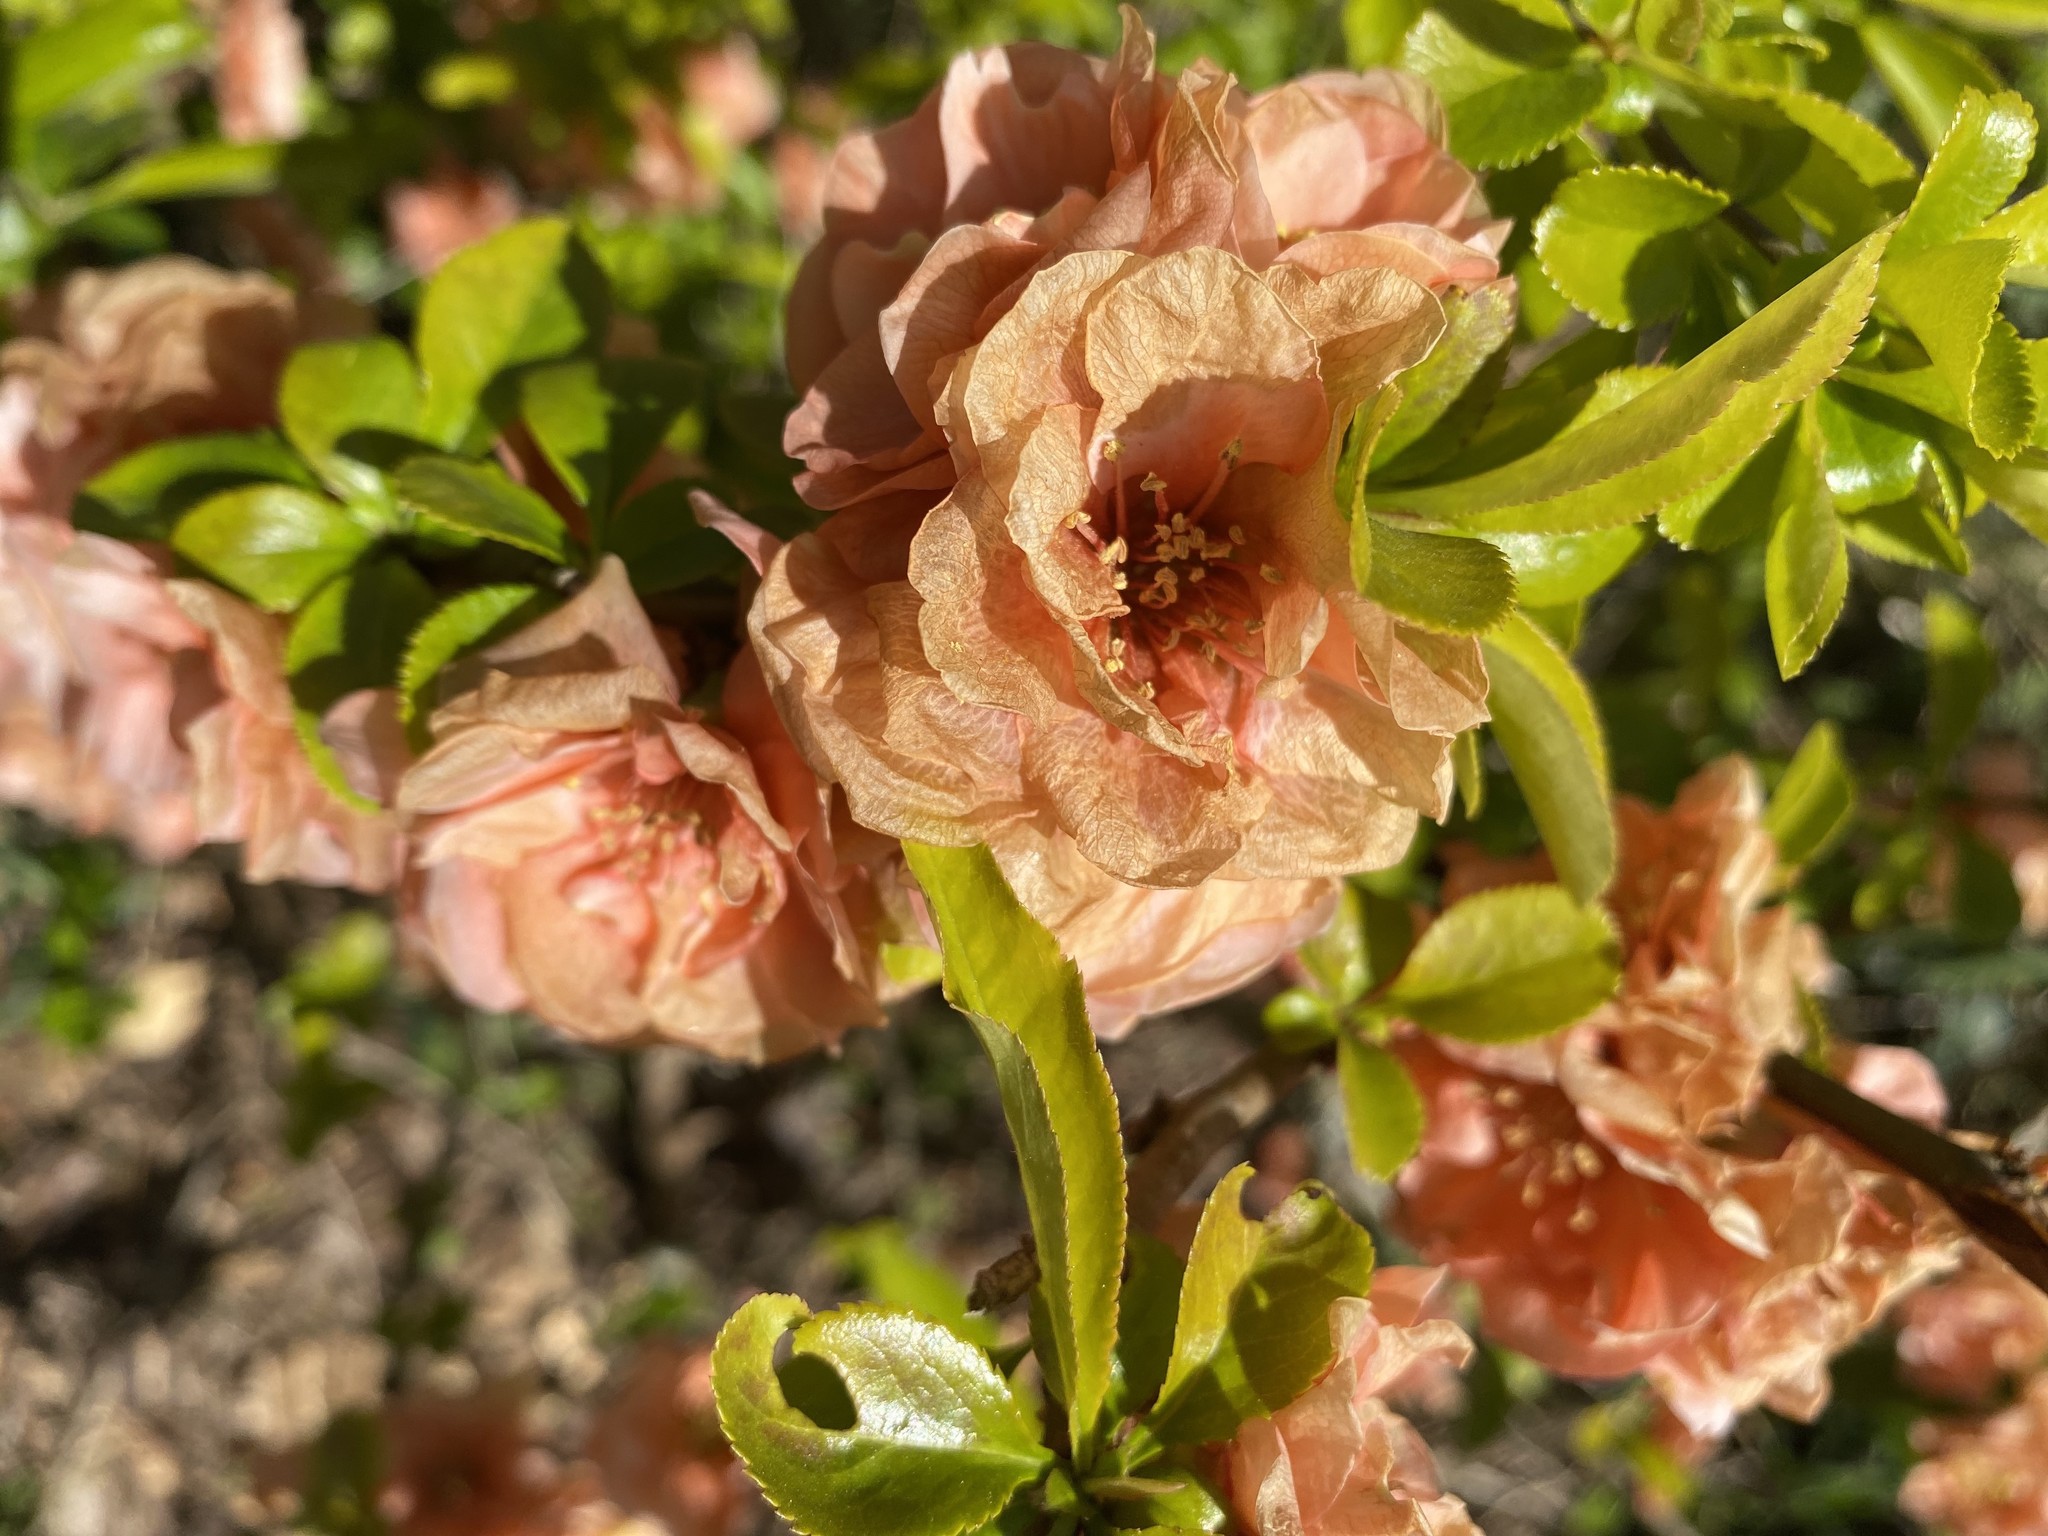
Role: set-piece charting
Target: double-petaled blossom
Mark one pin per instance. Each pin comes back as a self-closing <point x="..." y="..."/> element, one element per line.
<point x="1617" y="1192"/>
<point x="657" y="1447"/>
<point x="1076" y="378"/>
<point x="585" y="846"/>
<point x="1967" y="1336"/>
<point x="1338" y="1460"/>
<point x="1983" y="1477"/>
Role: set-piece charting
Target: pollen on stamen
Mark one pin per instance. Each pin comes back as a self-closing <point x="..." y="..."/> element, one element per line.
<point x="1271" y="573"/>
<point x="1112" y="449"/>
<point x="1581" y="1220"/>
<point x="1236" y="535"/>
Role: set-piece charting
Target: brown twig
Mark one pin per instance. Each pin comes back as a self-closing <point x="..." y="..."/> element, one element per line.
<point x="1994" y="1196"/>
<point x="1189" y="1135"/>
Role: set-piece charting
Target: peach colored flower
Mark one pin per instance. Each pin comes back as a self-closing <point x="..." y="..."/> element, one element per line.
<point x="259" y="84"/>
<point x="1966" y="1336"/>
<point x="92" y="648"/>
<point x="657" y="1447"/>
<point x="1614" y="1191"/>
<point x="586" y="847"/>
<point x="1983" y="1477"/>
<point x="253" y="784"/>
<point x="1337" y="1460"/>
<point x="163" y="348"/>
<point x="1132" y="621"/>
<point x="468" y="1467"/>
<point x="433" y="219"/>
<point x="797" y="162"/>
<point x="1027" y="154"/>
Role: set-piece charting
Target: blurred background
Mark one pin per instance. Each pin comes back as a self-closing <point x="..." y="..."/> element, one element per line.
<point x="289" y="1241"/>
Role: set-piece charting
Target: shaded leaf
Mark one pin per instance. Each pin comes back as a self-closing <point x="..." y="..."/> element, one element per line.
<point x="1618" y="242"/>
<point x="480" y="499"/>
<point x="1815" y="801"/>
<point x="336" y="388"/>
<point x="1806" y="564"/>
<point x="600" y="421"/>
<point x="1545" y="723"/>
<point x="1926" y="70"/>
<point x="143" y="495"/>
<point x="1382" y="1110"/>
<point x="1961" y="673"/>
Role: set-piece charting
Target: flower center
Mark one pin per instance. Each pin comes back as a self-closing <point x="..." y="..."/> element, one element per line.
<point x="1545" y="1152"/>
<point x="1184" y="582"/>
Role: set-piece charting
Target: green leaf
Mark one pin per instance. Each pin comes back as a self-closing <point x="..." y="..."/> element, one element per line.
<point x="891" y="1271"/>
<point x="189" y="170"/>
<point x="2025" y="223"/>
<point x="1815" y="801"/>
<point x="471" y="619"/>
<point x="526" y="294"/>
<point x="1144" y="1328"/>
<point x="98" y="50"/>
<point x="1501" y="111"/>
<point x="1909" y="532"/>
<point x="663" y="545"/>
<point x="599" y="422"/>
<point x="1337" y="960"/>
<point x="1948" y="296"/>
<point x="275" y="544"/>
<point x="351" y="635"/>
<point x="480" y="499"/>
<point x="1984" y="907"/>
<point x="143" y="495"/>
<point x="2017" y="16"/>
<point x="1468" y="767"/>
<point x="1926" y="70"/>
<point x="1961" y="672"/>
<point x="1675" y="29"/>
<point x="1545" y="722"/>
<point x="1024" y="998"/>
<point x="1477" y="325"/>
<point x="1556" y="568"/>
<point x="1373" y="30"/>
<point x="1253" y="1333"/>
<point x="1806" y="563"/>
<point x="1870" y="449"/>
<point x="1981" y="161"/>
<point x="1507" y="964"/>
<point x="937" y="1444"/>
<point x="1618" y="242"/>
<point x="1683" y="433"/>
<point x="1442" y="582"/>
<point x="333" y="390"/>
<point x="1382" y="1109"/>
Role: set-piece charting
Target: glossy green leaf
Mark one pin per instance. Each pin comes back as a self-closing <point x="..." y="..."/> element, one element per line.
<point x="1618" y="242"/>
<point x="1980" y="162"/>
<point x="1961" y="672"/>
<point x="524" y="295"/>
<point x="1806" y="563"/>
<point x="1815" y="801"/>
<point x="1253" y="1333"/>
<point x="937" y="1444"/>
<point x="1948" y="297"/>
<point x="143" y="495"/>
<point x="1024" y="998"/>
<point x="1441" y="582"/>
<point x="334" y="389"/>
<point x="1909" y="532"/>
<point x="1546" y="724"/>
<point x="1870" y="450"/>
<point x="1507" y="964"/>
<point x="600" y="421"/>
<point x="479" y="498"/>
<point x="275" y="544"/>
<point x="2025" y="223"/>
<point x="1684" y="432"/>
<point x="1382" y="1108"/>
<point x="461" y="624"/>
<point x="188" y="170"/>
<point x="1926" y="70"/>
<point x="1555" y="568"/>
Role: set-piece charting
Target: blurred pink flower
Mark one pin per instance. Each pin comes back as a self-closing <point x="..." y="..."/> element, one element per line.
<point x="1026" y="154"/>
<point x="1983" y="1477"/>
<point x="586" y="847"/>
<point x="163" y="348"/>
<point x="657" y="1446"/>
<point x="259" y="83"/>
<point x="1338" y="1460"/>
<point x="1617" y="1193"/>
<point x="1968" y="1335"/>
<point x="683" y="153"/>
<point x="798" y="163"/>
<point x="253" y="785"/>
<point x="433" y="219"/>
<point x="93" y="651"/>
